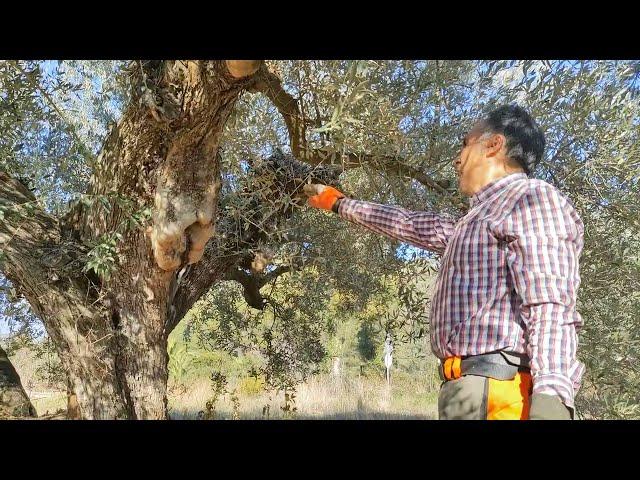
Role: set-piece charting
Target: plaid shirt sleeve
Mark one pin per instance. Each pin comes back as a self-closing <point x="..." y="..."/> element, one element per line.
<point x="422" y="229"/>
<point x="544" y="238"/>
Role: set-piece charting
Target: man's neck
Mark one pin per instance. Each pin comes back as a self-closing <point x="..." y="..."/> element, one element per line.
<point x="493" y="174"/>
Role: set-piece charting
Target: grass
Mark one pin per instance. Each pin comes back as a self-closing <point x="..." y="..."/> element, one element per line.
<point x="48" y="402"/>
<point x="348" y="396"/>
<point x="321" y="397"/>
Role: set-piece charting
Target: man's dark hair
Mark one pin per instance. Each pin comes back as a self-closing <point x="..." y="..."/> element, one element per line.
<point x="525" y="140"/>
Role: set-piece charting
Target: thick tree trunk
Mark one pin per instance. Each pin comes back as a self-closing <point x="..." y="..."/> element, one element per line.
<point x="73" y="409"/>
<point x="14" y="401"/>
<point x="133" y="386"/>
<point x="142" y="364"/>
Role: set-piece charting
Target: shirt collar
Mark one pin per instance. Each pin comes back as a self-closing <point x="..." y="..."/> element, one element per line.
<point x="495" y="186"/>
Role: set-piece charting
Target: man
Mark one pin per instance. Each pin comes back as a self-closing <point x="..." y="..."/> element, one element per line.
<point x="504" y="320"/>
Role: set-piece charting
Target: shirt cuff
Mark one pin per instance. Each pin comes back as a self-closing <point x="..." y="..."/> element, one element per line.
<point x="339" y="205"/>
<point x="555" y="384"/>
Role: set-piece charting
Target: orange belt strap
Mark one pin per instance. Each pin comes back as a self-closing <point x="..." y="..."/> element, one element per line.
<point x="451" y="368"/>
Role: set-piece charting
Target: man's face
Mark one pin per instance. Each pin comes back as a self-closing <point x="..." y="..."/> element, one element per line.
<point x="470" y="162"/>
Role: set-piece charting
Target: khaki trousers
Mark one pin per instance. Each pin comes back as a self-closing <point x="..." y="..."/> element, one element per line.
<point x="472" y="397"/>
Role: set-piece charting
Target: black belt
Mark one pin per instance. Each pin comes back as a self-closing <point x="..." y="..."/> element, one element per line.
<point x="499" y="365"/>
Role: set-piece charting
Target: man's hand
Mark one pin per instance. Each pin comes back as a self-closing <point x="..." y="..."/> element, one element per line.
<point x="548" y="407"/>
<point x="322" y="196"/>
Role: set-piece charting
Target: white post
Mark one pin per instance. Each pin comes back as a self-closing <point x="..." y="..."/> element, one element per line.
<point x="336" y="366"/>
<point x="388" y="357"/>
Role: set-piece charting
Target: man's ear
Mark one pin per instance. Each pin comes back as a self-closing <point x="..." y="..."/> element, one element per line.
<point x="494" y="144"/>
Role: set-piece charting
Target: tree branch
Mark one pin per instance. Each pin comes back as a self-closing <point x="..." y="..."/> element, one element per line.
<point x="23" y="223"/>
<point x="234" y="241"/>
<point x="44" y="266"/>
<point x="242" y="68"/>
<point x="252" y="283"/>
<point x="273" y="274"/>
<point x="269" y="84"/>
<point x="251" y="287"/>
<point x="33" y="248"/>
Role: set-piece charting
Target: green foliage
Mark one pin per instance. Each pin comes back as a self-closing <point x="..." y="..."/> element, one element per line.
<point x="285" y="335"/>
<point x="366" y="342"/>
<point x="54" y="116"/>
<point x="180" y="360"/>
<point x="102" y="257"/>
<point x="44" y="364"/>
<point x="50" y="369"/>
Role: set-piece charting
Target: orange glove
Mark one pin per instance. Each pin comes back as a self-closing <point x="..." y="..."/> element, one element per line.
<point x="322" y="196"/>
